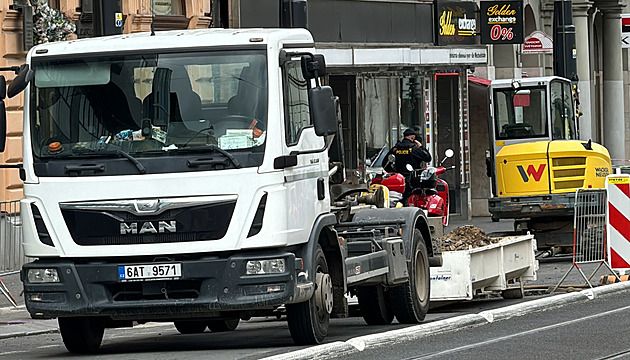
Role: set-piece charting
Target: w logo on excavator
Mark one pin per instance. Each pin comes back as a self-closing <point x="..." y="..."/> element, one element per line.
<point x="536" y="174"/>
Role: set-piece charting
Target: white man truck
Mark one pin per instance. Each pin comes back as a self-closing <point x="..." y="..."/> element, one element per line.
<point x="186" y="177"/>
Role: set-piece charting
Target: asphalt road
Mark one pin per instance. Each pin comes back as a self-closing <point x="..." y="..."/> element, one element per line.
<point x="588" y="329"/>
<point x="258" y="337"/>
<point x="263" y="337"/>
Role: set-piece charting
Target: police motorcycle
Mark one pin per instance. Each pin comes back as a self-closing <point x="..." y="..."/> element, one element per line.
<point x="428" y="191"/>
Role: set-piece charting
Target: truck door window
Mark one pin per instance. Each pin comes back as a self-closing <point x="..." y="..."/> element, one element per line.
<point x="296" y="106"/>
<point x="562" y="111"/>
<point x="520" y="113"/>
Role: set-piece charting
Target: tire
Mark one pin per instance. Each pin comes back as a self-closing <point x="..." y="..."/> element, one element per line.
<point x="375" y="306"/>
<point x="223" y="325"/>
<point x="190" y="326"/>
<point x="82" y="335"/>
<point x="410" y="300"/>
<point x="309" y="320"/>
<point x="513" y="293"/>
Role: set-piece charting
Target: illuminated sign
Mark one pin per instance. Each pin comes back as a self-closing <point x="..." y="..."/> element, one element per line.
<point x="456" y="23"/>
<point x="501" y="22"/>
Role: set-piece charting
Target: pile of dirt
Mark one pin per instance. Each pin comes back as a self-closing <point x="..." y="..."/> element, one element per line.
<point x="466" y="236"/>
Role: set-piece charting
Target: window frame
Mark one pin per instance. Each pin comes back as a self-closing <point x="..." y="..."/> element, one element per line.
<point x="290" y="138"/>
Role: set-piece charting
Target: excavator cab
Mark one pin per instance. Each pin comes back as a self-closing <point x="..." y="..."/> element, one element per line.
<point x="535" y="159"/>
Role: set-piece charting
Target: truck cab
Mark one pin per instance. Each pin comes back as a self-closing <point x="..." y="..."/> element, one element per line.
<point x="184" y="176"/>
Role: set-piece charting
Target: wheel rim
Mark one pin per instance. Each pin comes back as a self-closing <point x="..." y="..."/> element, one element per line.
<point x="323" y="294"/>
<point x="420" y="273"/>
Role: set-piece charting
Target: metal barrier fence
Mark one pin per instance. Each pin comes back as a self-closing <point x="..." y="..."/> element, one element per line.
<point x="589" y="232"/>
<point x="11" y="252"/>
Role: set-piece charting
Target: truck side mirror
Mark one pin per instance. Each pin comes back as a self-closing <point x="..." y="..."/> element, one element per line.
<point x="24" y="76"/>
<point x="323" y="112"/>
<point x="313" y="66"/>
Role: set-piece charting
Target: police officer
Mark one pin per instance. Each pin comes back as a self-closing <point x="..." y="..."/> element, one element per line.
<point x="407" y="151"/>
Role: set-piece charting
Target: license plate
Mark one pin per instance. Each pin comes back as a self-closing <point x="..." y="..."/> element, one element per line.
<point x="147" y="272"/>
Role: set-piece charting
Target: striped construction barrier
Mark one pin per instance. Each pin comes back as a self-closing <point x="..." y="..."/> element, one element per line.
<point x="618" y="222"/>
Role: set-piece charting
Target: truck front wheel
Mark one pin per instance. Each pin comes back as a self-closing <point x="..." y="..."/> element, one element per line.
<point x="82" y="335"/>
<point x="308" y="321"/>
<point x="411" y="300"/>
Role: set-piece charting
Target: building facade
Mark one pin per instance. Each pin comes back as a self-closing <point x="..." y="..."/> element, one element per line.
<point x="394" y="65"/>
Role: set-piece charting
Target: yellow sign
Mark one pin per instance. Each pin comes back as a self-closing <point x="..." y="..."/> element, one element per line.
<point x="619" y="180"/>
<point x="501" y="143"/>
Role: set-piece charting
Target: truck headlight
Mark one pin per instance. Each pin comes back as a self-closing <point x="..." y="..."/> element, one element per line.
<point x="270" y="266"/>
<point x="43" y="276"/>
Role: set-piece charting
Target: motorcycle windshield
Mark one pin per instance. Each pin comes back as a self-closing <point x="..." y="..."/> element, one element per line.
<point x="150" y="105"/>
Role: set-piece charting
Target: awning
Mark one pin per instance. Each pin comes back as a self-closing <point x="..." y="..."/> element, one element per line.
<point x="478" y="80"/>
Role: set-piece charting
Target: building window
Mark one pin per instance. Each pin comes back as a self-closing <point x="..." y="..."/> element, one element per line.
<point x="167" y="7"/>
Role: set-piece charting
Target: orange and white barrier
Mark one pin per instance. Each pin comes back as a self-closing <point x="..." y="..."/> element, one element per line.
<point x="618" y="222"/>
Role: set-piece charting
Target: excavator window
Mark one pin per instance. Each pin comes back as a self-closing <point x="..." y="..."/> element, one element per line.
<point x="562" y="112"/>
<point x="520" y="113"/>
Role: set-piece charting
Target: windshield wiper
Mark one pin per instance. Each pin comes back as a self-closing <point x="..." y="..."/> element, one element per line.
<point x="211" y="148"/>
<point x="116" y="152"/>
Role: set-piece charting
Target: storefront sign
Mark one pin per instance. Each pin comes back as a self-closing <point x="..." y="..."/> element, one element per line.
<point x="501" y="22"/>
<point x="468" y="56"/>
<point x="456" y="22"/>
<point x="625" y="30"/>
<point x="538" y="43"/>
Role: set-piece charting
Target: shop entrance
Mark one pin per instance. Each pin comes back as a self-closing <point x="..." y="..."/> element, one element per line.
<point x="448" y="134"/>
<point x="345" y="88"/>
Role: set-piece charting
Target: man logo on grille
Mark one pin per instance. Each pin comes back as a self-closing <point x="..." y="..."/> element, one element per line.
<point x="536" y="174"/>
<point x="148" y="227"/>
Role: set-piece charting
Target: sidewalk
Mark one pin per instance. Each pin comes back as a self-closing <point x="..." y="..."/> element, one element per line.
<point x="15" y="322"/>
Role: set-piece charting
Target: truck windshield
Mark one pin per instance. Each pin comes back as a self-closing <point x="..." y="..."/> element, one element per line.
<point x="520" y="113"/>
<point x="150" y="104"/>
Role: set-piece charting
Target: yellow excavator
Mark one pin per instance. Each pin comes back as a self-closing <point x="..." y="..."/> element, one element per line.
<point x="536" y="161"/>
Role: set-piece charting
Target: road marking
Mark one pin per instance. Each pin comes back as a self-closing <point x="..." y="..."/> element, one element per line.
<point x="544" y="328"/>
<point x="14" y="352"/>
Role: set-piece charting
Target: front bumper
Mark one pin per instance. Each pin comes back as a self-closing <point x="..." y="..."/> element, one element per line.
<point x="208" y="287"/>
<point x="536" y="206"/>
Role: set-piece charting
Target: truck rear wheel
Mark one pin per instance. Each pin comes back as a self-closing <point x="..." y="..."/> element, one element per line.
<point x="82" y="335"/>
<point x="375" y="306"/>
<point x="308" y="321"/>
<point x="223" y="325"/>
<point x="190" y="326"/>
<point x="410" y="300"/>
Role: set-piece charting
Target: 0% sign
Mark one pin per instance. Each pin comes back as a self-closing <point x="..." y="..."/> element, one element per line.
<point x="499" y="32"/>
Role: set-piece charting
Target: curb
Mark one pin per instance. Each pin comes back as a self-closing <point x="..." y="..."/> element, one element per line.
<point x="28" y="333"/>
<point x="358" y="344"/>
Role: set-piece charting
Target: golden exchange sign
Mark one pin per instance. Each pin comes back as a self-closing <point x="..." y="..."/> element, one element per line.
<point x="501" y="22"/>
<point x="456" y="22"/>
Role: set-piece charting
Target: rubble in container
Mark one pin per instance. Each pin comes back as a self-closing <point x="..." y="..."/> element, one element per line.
<point x="465" y="237"/>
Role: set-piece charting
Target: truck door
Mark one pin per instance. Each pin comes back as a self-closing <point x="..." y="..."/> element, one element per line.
<point x="306" y="181"/>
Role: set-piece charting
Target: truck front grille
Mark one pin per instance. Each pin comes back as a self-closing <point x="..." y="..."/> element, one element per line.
<point x="114" y="227"/>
